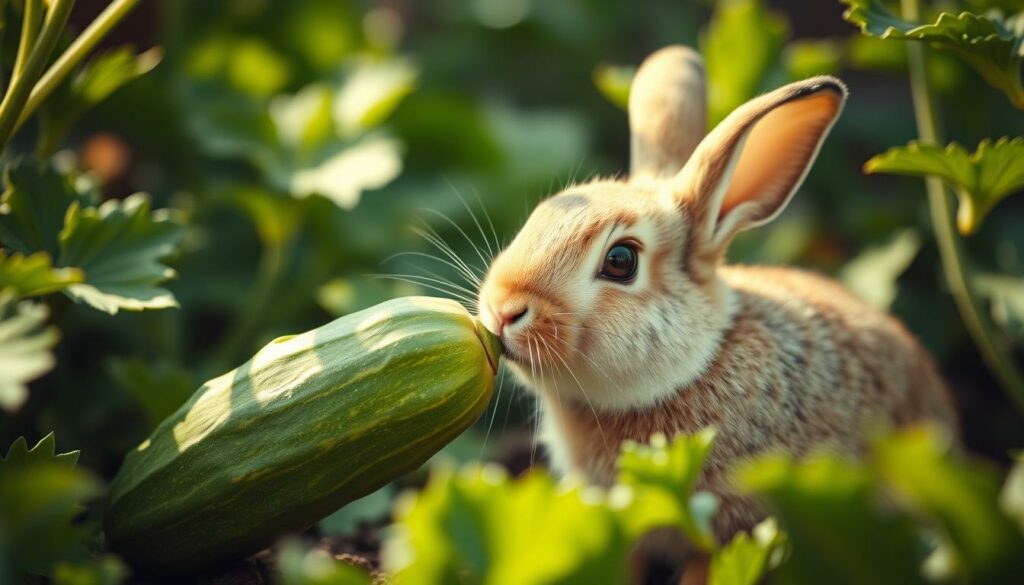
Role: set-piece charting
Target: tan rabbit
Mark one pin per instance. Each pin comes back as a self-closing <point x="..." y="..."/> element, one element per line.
<point x="615" y="307"/>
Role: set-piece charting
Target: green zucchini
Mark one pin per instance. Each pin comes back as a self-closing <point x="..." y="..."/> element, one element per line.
<point x="307" y="425"/>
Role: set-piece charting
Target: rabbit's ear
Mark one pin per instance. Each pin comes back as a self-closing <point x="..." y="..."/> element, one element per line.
<point x="667" y="112"/>
<point x="745" y="171"/>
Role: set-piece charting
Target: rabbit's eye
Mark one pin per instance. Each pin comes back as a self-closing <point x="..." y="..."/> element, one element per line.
<point x="620" y="263"/>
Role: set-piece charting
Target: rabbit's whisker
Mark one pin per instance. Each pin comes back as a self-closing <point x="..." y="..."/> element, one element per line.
<point x="434" y="239"/>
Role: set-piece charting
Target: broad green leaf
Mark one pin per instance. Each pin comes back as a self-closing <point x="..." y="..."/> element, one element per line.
<point x="981" y="179"/>
<point x="1011" y="498"/>
<point x="872" y="275"/>
<point x="746" y="559"/>
<point x="839" y="529"/>
<point x="480" y="527"/>
<point x="32" y="207"/>
<point x="663" y="478"/>
<point x="31" y="276"/>
<point x="962" y="497"/>
<point x="25" y="345"/>
<point x="342" y="177"/>
<point x="298" y="566"/>
<point x="160" y="388"/>
<point x="740" y="45"/>
<point x="373" y="88"/>
<point x="614" y="82"/>
<point x="119" y="246"/>
<point x="991" y="44"/>
<point x="40" y="496"/>
<point x="105" y="570"/>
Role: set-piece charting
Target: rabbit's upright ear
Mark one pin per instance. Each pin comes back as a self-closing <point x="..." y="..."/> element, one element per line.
<point x="667" y="112"/>
<point x="745" y="171"/>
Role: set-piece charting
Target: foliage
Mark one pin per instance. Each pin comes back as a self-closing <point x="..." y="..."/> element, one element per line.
<point x="24" y="347"/>
<point x="981" y="179"/>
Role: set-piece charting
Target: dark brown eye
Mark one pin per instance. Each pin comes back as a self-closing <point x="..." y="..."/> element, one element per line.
<point x="620" y="263"/>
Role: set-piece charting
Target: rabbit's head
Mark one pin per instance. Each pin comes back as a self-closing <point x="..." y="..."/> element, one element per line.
<point x="609" y="295"/>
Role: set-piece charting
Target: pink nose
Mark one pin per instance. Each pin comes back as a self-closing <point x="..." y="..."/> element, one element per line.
<point x="510" y="315"/>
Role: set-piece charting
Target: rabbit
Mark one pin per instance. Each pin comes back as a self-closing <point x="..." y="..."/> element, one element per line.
<point x="615" y="307"/>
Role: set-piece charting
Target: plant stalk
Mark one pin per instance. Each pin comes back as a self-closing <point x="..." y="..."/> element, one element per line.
<point x="113" y="14"/>
<point x="994" y="350"/>
<point x="32" y="19"/>
<point x="21" y="85"/>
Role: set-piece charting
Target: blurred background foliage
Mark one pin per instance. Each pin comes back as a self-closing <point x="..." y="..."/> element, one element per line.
<point x="299" y="145"/>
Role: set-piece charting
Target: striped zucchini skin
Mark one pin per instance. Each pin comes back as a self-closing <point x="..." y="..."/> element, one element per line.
<point x="309" y="424"/>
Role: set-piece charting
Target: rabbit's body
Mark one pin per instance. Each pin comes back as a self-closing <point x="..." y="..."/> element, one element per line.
<point x="804" y="366"/>
<point x="613" y="305"/>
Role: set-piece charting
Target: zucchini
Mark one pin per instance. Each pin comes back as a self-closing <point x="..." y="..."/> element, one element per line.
<point x="307" y="425"/>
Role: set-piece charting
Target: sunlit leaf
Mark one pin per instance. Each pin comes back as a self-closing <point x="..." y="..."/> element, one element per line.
<point x="40" y="496"/>
<point x="372" y="90"/>
<point x="1011" y="498"/>
<point x="298" y="566"/>
<point x="981" y="179"/>
<point x="991" y="44"/>
<point x="614" y="82"/>
<point x="24" y="348"/>
<point x="839" y="529"/>
<point x="370" y="164"/>
<point x="740" y="45"/>
<point x="872" y="275"/>
<point x="303" y="121"/>
<point x="255" y="67"/>
<point x="119" y="246"/>
<point x="1006" y="296"/>
<point x="746" y="559"/>
<point x="30" y="276"/>
<point x="480" y="527"/>
<point x="961" y="496"/>
<point x="663" y="477"/>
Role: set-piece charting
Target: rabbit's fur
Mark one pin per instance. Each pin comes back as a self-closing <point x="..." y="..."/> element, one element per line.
<point x="773" y="358"/>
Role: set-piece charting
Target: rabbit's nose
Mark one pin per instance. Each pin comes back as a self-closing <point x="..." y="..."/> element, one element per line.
<point x="510" y="315"/>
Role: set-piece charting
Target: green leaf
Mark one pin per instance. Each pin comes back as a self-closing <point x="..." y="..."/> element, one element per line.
<point x="663" y="478"/>
<point x="30" y="276"/>
<point x="372" y="507"/>
<point x="873" y="274"/>
<point x="32" y="207"/>
<point x="981" y="180"/>
<point x="343" y="175"/>
<point x="372" y="90"/>
<point x="803" y="59"/>
<point x="105" y="570"/>
<point x="740" y="45"/>
<point x="159" y="388"/>
<point x="40" y="496"/>
<point x="119" y="246"/>
<point x="24" y="348"/>
<point x="298" y="566"/>
<point x="614" y="82"/>
<point x="962" y="497"/>
<point x="991" y="44"/>
<point x="1006" y="297"/>
<point x="747" y="558"/>
<point x="839" y="529"/>
<point x="479" y="527"/>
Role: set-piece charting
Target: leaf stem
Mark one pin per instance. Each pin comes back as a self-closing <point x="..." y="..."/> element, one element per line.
<point x="994" y="350"/>
<point x="21" y="85"/>
<point x="74" y="54"/>
<point x="32" y="19"/>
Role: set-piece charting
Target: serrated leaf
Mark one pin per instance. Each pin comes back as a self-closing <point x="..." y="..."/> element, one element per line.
<point x="119" y="246"/>
<point x="33" y="205"/>
<point x="740" y="45"/>
<point x="663" y="477"/>
<point x="25" y="344"/>
<point x="614" y="83"/>
<point x="840" y="531"/>
<point x="961" y="496"/>
<point x="40" y="496"/>
<point x="991" y="44"/>
<point x="479" y="527"/>
<point x="298" y="566"/>
<point x="746" y="559"/>
<point x="33" y="275"/>
<point x="981" y="179"/>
